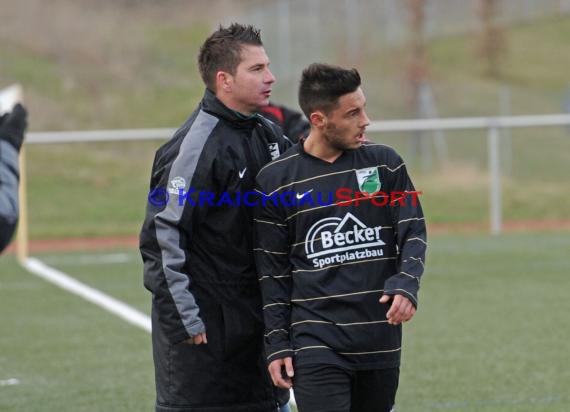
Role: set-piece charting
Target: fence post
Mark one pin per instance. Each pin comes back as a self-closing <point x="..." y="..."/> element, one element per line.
<point x="493" y="147"/>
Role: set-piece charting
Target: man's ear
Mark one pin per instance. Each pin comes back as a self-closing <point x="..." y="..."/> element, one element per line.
<point x="224" y="81"/>
<point x="318" y="119"/>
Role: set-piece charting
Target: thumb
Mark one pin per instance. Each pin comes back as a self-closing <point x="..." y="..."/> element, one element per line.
<point x="385" y="298"/>
<point x="289" y="367"/>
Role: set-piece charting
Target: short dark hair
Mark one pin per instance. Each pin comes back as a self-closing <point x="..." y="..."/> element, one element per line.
<point x="222" y="51"/>
<point x="323" y="84"/>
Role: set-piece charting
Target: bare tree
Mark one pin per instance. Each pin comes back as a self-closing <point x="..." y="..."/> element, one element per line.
<point x="417" y="70"/>
<point x="492" y="41"/>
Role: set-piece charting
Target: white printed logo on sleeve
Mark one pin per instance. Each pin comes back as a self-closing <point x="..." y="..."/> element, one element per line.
<point x="176" y="184"/>
<point x="274" y="150"/>
<point x="334" y="240"/>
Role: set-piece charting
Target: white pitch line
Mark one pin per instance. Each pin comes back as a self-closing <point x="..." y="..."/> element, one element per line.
<point x="95" y="296"/>
<point x="111" y="258"/>
<point x="9" y="382"/>
<point x="88" y="293"/>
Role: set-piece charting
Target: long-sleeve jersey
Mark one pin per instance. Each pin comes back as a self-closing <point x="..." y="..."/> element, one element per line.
<point x="331" y="239"/>
<point x="9" y="177"/>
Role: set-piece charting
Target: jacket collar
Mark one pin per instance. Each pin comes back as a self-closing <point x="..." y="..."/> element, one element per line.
<point x="211" y="104"/>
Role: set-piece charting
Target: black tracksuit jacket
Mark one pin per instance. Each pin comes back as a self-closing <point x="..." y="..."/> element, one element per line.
<point x="199" y="264"/>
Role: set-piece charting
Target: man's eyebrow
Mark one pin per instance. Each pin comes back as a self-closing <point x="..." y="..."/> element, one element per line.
<point x="356" y="108"/>
<point x="353" y="109"/>
<point x="260" y="64"/>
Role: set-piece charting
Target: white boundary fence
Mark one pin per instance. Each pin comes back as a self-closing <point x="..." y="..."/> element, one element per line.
<point x="491" y="124"/>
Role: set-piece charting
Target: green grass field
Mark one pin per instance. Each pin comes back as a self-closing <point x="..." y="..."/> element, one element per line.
<point x="491" y="333"/>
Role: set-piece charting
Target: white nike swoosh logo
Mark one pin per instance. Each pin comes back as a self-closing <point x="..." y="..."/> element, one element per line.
<point x="241" y="173"/>
<point x="302" y="195"/>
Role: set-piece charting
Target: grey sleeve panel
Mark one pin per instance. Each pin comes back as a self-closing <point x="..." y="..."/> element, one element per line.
<point x="168" y="229"/>
<point x="9" y="176"/>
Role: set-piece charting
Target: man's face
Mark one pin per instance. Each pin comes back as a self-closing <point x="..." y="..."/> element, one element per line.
<point x="251" y="85"/>
<point x="345" y="125"/>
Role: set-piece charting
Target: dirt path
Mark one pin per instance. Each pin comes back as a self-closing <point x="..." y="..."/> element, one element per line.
<point x="508" y="227"/>
<point x="79" y="244"/>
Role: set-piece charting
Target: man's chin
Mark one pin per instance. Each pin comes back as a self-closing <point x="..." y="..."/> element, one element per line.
<point x="349" y="148"/>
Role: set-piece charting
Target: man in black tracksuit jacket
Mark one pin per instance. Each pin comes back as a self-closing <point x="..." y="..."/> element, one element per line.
<point x="207" y="325"/>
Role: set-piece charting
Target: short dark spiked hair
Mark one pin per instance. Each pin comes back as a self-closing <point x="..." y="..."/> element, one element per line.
<point x="323" y="84"/>
<point x="222" y="51"/>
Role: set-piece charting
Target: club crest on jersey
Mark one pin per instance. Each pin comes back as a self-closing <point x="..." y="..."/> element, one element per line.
<point x="274" y="150"/>
<point x="335" y="240"/>
<point x="176" y="184"/>
<point x="368" y="179"/>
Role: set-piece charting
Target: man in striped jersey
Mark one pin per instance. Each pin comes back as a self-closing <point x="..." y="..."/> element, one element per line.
<point x="339" y="263"/>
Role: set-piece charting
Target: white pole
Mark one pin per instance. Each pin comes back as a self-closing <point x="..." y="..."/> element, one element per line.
<point x="495" y="179"/>
<point x="507" y="150"/>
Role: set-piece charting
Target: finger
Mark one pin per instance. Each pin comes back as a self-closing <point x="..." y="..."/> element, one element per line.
<point x="289" y="367"/>
<point x="394" y="308"/>
<point x="405" y="310"/>
<point x="410" y="313"/>
<point x="410" y="309"/>
<point x="284" y="383"/>
<point x="276" y="377"/>
<point x="202" y="338"/>
<point x="275" y="370"/>
<point x="196" y="340"/>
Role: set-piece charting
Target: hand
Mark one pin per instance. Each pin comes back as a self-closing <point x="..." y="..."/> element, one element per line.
<point x="197" y="340"/>
<point x="13" y="125"/>
<point x="401" y="310"/>
<point x="275" y="370"/>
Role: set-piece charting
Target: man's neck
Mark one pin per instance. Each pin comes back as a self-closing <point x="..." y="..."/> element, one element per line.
<point x="317" y="146"/>
<point x="240" y="111"/>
